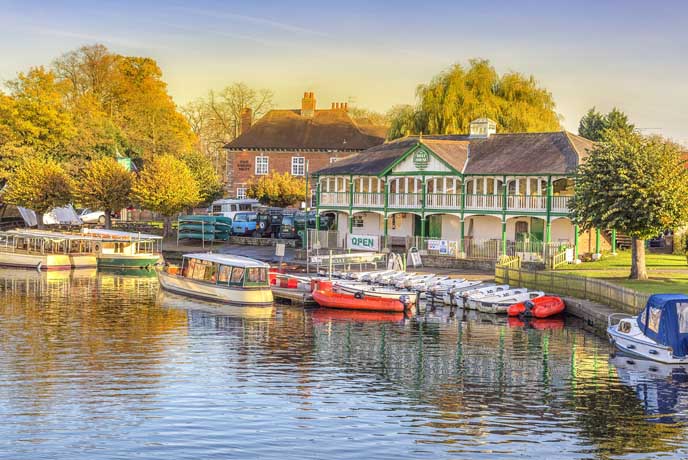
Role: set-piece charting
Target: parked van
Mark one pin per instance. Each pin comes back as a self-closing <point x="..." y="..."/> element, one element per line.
<point x="245" y="223"/>
<point x="228" y="207"/>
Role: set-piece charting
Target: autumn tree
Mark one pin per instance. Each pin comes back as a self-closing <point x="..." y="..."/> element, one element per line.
<point x="166" y="186"/>
<point x="38" y="183"/>
<point x="593" y="124"/>
<point x="634" y="184"/>
<point x="207" y="180"/>
<point x="277" y="189"/>
<point x="455" y="97"/>
<point x="104" y="184"/>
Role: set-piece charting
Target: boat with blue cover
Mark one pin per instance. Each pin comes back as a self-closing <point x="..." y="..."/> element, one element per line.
<point x="659" y="332"/>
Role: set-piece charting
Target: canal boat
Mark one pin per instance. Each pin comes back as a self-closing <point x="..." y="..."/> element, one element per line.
<point x="659" y="332"/>
<point x="540" y="307"/>
<point x="46" y="250"/>
<point x="224" y="278"/>
<point x="119" y="249"/>
<point x="500" y="303"/>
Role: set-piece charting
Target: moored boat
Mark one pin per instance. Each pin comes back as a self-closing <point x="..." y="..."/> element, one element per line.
<point x="467" y="298"/>
<point x="500" y="303"/>
<point x="659" y="332"/>
<point x="46" y="250"/>
<point x="332" y="298"/>
<point x="539" y="307"/>
<point x="126" y="249"/>
<point x="224" y="278"/>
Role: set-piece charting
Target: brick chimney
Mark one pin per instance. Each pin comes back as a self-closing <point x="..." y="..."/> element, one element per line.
<point x="343" y="106"/>
<point x="308" y="105"/>
<point x="246" y="119"/>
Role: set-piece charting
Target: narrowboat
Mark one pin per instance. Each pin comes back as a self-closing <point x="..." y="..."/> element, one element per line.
<point x="659" y="332"/>
<point x="45" y="250"/>
<point x="224" y="278"/>
<point x="119" y="249"/>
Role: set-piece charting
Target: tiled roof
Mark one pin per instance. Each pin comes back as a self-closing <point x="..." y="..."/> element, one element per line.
<point x="326" y="130"/>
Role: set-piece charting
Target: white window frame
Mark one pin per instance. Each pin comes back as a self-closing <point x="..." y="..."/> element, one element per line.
<point x="298" y="166"/>
<point x="241" y="193"/>
<point x="262" y="165"/>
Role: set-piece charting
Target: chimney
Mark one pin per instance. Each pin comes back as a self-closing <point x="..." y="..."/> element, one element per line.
<point x="246" y="119"/>
<point x="308" y="105"/>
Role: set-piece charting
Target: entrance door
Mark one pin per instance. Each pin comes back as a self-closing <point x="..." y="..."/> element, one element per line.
<point x="434" y="226"/>
<point x="537" y="229"/>
<point x="416" y="225"/>
<point x="522" y="230"/>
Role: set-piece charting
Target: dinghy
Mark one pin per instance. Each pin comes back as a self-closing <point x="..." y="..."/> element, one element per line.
<point x="361" y="300"/>
<point x="463" y="297"/>
<point x="501" y="303"/>
<point x="540" y="307"/>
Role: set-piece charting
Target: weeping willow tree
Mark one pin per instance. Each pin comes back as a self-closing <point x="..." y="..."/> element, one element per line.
<point x="455" y="97"/>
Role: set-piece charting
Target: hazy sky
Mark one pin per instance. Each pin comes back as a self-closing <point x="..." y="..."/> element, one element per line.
<point x="629" y="54"/>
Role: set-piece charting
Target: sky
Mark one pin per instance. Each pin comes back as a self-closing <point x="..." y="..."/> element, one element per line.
<point x="626" y="54"/>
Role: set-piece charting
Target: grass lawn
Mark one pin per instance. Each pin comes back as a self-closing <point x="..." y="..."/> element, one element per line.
<point x="667" y="272"/>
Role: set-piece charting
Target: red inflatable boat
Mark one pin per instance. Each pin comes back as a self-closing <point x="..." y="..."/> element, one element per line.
<point x="539" y="307"/>
<point x="331" y="299"/>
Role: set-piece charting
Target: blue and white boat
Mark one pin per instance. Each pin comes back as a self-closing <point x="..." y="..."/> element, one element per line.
<point x="659" y="332"/>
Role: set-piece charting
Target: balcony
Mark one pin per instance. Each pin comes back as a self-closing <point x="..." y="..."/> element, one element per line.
<point x="448" y="201"/>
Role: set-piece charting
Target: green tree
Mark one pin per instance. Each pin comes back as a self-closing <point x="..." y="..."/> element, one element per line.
<point x="593" y="124"/>
<point x="38" y="183"/>
<point x="104" y="184"/>
<point x="166" y="186"/>
<point x="277" y="189"/>
<point x="634" y="184"/>
<point x="207" y="180"/>
<point x="455" y="97"/>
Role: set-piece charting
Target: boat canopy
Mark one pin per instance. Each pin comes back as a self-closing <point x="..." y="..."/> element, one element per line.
<point x="116" y="234"/>
<point x="227" y="259"/>
<point x="665" y="320"/>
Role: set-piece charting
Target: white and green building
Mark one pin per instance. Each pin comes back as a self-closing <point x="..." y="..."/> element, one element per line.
<point x="476" y="187"/>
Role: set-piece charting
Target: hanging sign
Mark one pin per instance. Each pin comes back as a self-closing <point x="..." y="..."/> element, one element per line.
<point x="363" y="242"/>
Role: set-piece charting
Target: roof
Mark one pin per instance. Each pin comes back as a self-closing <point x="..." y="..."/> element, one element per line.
<point x="518" y="153"/>
<point x="527" y="153"/>
<point x="100" y="232"/>
<point x="27" y="233"/>
<point x="227" y="259"/>
<point x="330" y="129"/>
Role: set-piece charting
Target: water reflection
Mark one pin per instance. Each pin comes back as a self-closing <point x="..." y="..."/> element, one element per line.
<point x="98" y="364"/>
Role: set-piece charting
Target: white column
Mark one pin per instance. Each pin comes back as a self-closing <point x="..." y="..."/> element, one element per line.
<point x="406" y="187"/>
<point x="539" y="186"/>
<point x="528" y="186"/>
<point x="379" y="183"/>
<point x="360" y="183"/>
<point x="518" y="186"/>
<point x="484" y="179"/>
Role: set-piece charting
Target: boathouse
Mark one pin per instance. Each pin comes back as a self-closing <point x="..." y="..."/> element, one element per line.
<point x="484" y="186"/>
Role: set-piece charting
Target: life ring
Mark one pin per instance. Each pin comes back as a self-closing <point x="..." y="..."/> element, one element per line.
<point x="358" y="295"/>
<point x="96" y="247"/>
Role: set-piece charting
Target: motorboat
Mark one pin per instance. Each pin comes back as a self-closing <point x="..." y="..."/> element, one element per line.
<point x="355" y="298"/>
<point x="539" y="307"/>
<point x="464" y="296"/>
<point x="224" y="278"/>
<point x="425" y="284"/>
<point x="415" y="279"/>
<point x="48" y="250"/>
<point x="126" y="249"/>
<point x="393" y="278"/>
<point x="659" y="332"/>
<point x="362" y="289"/>
<point x="500" y="303"/>
<point x="473" y="302"/>
<point x="448" y="296"/>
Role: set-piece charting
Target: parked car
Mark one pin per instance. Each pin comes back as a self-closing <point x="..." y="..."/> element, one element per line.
<point x="228" y="207"/>
<point x="269" y="222"/>
<point x="92" y="217"/>
<point x="294" y="223"/>
<point x="245" y="224"/>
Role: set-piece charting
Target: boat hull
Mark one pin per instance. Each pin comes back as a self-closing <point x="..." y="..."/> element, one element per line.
<point x="330" y="299"/>
<point x="543" y="307"/>
<point x="127" y="261"/>
<point x="257" y="297"/>
<point x="47" y="261"/>
<point x="642" y="346"/>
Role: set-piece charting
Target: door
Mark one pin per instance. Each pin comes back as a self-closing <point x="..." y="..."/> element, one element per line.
<point x="434" y="227"/>
<point x="537" y="229"/>
<point x="522" y="231"/>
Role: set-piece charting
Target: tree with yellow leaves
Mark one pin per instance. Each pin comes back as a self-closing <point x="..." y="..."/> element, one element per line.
<point x="104" y="184"/>
<point x="277" y="189"/>
<point x="166" y="186"/>
<point x="38" y="183"/>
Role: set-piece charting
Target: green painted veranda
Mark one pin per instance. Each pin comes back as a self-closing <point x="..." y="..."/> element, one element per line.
<point x="634" y="184"/>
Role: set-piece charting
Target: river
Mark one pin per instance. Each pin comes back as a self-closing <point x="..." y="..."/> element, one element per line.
<point x="104" y="366"/>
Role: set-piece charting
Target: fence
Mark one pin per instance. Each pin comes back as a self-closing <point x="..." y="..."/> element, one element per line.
<point x="628" y="300"/>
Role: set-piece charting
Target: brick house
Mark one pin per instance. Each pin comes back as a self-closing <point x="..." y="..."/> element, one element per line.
<point x="283" y="140"/>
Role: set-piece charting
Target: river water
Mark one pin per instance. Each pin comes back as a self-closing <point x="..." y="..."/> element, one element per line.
<point x="104" y="366"/>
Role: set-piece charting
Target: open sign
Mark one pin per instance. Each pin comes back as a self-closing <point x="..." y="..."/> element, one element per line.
<point x="363" y="242"/>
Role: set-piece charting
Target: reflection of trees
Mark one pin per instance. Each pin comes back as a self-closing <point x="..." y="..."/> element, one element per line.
<point x="81" y="329"/>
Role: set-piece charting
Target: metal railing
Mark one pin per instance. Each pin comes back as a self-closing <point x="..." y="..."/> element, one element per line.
<point x="592" y="289"/>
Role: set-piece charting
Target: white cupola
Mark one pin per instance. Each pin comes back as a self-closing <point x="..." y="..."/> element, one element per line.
<point x="482" y="127"/>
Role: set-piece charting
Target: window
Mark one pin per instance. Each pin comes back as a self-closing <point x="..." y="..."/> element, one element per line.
<point x="262" y="165"/>
<point x="333" y="160"/>
<point x="357" y="221"/>
<point x="298" y="166"/>
<point x="257" y="276"/>
<point x="237" y="275"/>
<point x="225" y="272"/>
<point x="655" y="317"/>
<point x="241" y="193"/>
<point x="682" y="313"/>
<point x="240" y="218"/>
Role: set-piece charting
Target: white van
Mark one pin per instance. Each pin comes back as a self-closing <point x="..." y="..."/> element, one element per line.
<point x="228" y="207"/>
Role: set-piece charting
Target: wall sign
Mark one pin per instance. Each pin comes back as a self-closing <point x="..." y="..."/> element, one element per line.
<point x="421" y="159"/>
<point x="363" y="242"/>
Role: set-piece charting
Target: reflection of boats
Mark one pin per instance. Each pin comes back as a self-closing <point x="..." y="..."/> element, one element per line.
<point x="328" y="314"/>
<point x="537" y="323"/>
<point x="659" y="332"/>
<point x="170" y="300"/>
<point x="540" y="307"/>
<point x="662" y="388"/>
<point x="129" y="272"/>
<point x="221" y="278"/>
<point x="126" y="250"/>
